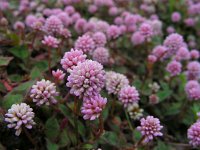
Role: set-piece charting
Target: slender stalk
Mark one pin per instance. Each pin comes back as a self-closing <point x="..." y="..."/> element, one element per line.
<point x="29" y="137"/>
<point x="139" y="143"/>
<point x="76" y="119"/>
<point x="49" y="59"/>
<point x="129" y="122"/>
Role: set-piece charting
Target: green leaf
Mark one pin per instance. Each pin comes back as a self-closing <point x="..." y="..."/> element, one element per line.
<point x="42" y="65"/>
<point x="64" y="139"/>
<point x="15" y="77"/>
<point x="164" y="94"/>
<point x="23" y="87"/>
<point x="20" y="51"/>
<point x="111" y="137"/>
<point x="162" y="146"/>
<point x="4" y="61"/>
<point x="52" y="128"/>
<point x="51" y="146"/>
<point x="10" y="99"/>
<point x="87" y="146"/>
<point x="35" y="73"/>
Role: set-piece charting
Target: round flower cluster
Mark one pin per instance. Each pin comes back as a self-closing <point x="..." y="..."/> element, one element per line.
<point x="134" y="111"/>
<point x="53" y="25"/>
<point x="71" y="59"/>
<point x="150" y="128"/>
<point x="86" y="79"/>
<point x="113" y="32"/>
<point x="101" y="55"/>
<point x="44" y="92"/>
<point x="50" y="41"/>
<point x="58" y="74"/>
<point x="193" y="134"/>
<point x="193" y="70"/>
<point x="92" y="107"/>
<point x="192" y="89"/>
<point x="99" y="39"/>
<point x="18" y="116"/>
<point x="182" y="54"/>
<point x="174" y="68"/>
<point x="194" y="54"/>
<point x="128" y="95"/>
<point x="176" y="17"/>
<point x="146" y="30"/>
<point x="115" y="82"/>
<point x="137" y="38"/>
<point x="173" y="42"/>
<point x="85" y="43"/>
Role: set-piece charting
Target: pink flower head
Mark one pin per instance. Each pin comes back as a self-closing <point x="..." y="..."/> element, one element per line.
<point x="193" y="134"/>
<point x="194" y="54"/>
<point x="128" y="95"/>
<point x="64" y="17"/>
<point x="182" y="54"/>
<point x="44" y="92"/>
<point x="89" y="27"/>
<point x="92" y="8"/>
<point x="85" y="43"/>
<point x="159" y="51"/>
<point x="92" y="107"/>
<point x="170" y="30"/>
<point x="118" y="20"/>
<point x="19" y="25"/>
<point x="70" y="10"/>
<point x="102" y="26"/>
<point x="71" y="59"/>
<point x="176" y="17"/>
<point x="190" y="22"/>
<point x="113" y="11"/>
<point x="113" y="32"/>
<point x="152" y="58"/>
<point x="101" y="55"/>
<point x="173" y="42"/>
<point x="99" y="39"/>
<point x="174" y="68"/>
<point x="150" y="128"/>
<point x="137" y="38"/>
<point x="192" y="89"/>
<point x="79" y="25"/>
<point x="50" y="41"/>
<point x="18" y="116"/>
<point x="58" y="74"/>
<point x="115" y="82"/>
<point x="193" y="68"/>
<point x="65" y="33"/>
<point x="76" y="16"/>
<point x="53" y="25"/>
<point x="30" y="19"/>
<point x="86" y="79"/>
<point x="146" y="30"/>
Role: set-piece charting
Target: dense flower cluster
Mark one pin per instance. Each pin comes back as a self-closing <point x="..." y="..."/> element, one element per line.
<point x="85" y="43"/>
<point x="150" y="127"/>
<point x="18" y="116"/>
<point x="194" y="134"/>
<point x="44" y="92"/>
<point x="101" y="55"/>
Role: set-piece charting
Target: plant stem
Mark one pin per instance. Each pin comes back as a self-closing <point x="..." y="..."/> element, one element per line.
<point x="129" y="122"/>
<point x="29" y="137"/>
<point x="139" y="142"/>
<point x="76" y="119"/>
<point x="49" y="59"/>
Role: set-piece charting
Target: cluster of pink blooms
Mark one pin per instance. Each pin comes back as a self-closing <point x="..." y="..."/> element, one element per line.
<point x="44" y="92"/>
<point x="193" y="134"/>
<point x="128" y="95"/>
<point x="115" y="82"/>
<point x="101" y="55"/>
<point x="174" y="68"/>
<point x="192" y="89"/>
<point x="150" y="127"/>
<point x="86" y="79"/>
<point x="50" y="41"/>
<point x="18" y="116"/>
<point x="176" y="17"/>
<point x="93" y="106"/>
<point x="193" y="70"/>
<point x="58" y="74"/>
<point x="71" y="59"/>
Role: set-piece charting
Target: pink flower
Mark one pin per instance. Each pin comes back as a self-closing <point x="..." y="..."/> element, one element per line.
<point x="50" y="41"/>
<point x="176" y="17"/>
<point x="115" y="82"/>
<point x="101" y="55"/>
<point x="58" y="74"/>
<point x="71" y="59"/>
<point x="192" y="89"/>
<point x="193" y="134"/>
<point x="174" y="68"/>
<point x="193" y="72"/>
<point x="44" y="92"/>
<point x="152" y="58"/>
<point x="170" y="30"/>
<point x="194" y="54"/>
<point x="182" y="54"/>
<point x="99" y="39"/>
<point x="137" y="38"/>
<point x="113" y="11"/>
<point x="53" y="25"/>
<point x="64" y="17"/>
<point x="113" y="32"/>
<point x="79" y="25"/>
<point x="146" y="30"/>
<point x="19" y="25"/>
<point x="70" y="10"/>
<point x="128" y="95"/>
<point x="86" y="79"/>
<point x="190" y="22"/>
<point x="150" y="128"/>
<point x="85" y="43"/>
<point x="92" y="107"/>
<point x="18" y="116"/>
<point x="92" y="8"/>
<point x="159" y="51"/>
<point x="65" y="33"/>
